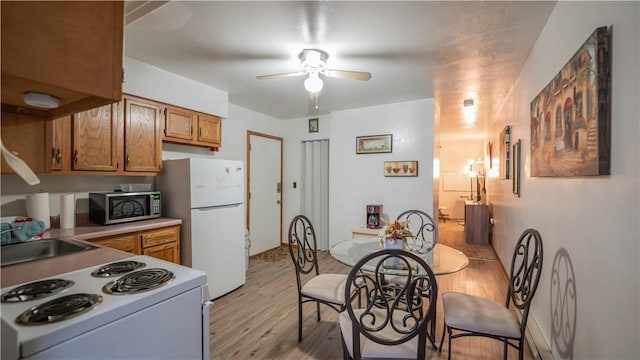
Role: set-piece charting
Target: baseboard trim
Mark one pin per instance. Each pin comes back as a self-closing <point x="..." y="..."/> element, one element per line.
<point x="539" y="348"/>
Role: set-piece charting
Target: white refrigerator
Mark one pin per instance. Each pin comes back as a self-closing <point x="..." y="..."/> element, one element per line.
<point x="208" y="195"/>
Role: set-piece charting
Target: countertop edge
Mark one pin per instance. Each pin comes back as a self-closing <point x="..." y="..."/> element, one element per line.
<point x="91" y="231"/>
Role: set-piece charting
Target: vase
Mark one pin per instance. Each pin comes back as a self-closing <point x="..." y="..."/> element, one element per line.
<point x="395" y="244"/>
<point x="395" y="263"/>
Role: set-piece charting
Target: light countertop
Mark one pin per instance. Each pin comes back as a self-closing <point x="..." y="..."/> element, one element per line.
<point x="34" y="270"/>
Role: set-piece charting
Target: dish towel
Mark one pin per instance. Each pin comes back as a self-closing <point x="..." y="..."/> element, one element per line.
<point x="23" y="231"/>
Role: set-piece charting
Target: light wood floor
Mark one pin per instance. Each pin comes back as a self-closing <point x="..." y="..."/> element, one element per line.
<point x="260" y="321"/>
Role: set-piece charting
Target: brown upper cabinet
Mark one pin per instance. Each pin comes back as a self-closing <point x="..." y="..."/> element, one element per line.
<point x="209" y="130"/>
<point x="142" y="138"/>
<point x="119" y="139"/>
<point x="183" y="126"/>
<point x="178" y="123"/>
<point x="95" y="139"/>
<point x="71" y="50"/>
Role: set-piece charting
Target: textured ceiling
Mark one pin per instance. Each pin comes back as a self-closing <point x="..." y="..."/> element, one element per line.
<point x="447" y="50"/>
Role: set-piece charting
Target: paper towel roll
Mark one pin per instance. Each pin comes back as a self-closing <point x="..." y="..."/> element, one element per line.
<point x="67" y="211"/>
<point x="38" y="207"/>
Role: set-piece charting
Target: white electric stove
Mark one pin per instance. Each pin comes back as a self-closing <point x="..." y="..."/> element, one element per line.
<point x="141" y="307"/>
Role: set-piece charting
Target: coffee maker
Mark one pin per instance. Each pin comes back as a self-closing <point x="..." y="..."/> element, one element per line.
<point x="374" y="216"/>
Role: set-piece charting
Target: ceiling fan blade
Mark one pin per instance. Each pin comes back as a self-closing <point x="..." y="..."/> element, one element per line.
<point x="344" y="74"/>
<point x="277" y="76"/>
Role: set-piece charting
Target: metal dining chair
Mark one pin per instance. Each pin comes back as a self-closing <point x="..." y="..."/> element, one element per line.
<point x="423" y="227"/>
<point x="319" y="288"/>
<point x="470" y="315"/>
<point x="393" y="321"/>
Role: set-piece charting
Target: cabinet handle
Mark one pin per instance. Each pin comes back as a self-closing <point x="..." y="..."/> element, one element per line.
<point x="199" y="132"/>
<point x="58" y="156"/>
<point x="75" y="156"/>
<point x="128" y="160"/>
<point x="53" y="153"/>
<point x="190" y="130"/>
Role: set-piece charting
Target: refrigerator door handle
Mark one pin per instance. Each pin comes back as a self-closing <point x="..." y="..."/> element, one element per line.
<point x="278" y="187"/>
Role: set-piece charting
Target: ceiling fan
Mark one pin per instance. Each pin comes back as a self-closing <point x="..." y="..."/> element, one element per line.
<point x="314" y="63"/>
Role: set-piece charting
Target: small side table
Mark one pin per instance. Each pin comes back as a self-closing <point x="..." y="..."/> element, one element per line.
<point x="363" y="232"/>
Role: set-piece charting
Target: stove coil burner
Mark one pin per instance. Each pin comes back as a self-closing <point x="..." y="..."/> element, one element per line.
<point x="35" y="290"/>
<point x="58" y="309"/>
<point x="118" y="268"/>
<point x="138" y="281"/>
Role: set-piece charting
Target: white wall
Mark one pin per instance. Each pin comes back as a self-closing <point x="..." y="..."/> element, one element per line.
<point x="594" y="219"/>
<point x="150" y="82"/>
<point x="356" y="180"/>
<point x="14" y="190"/>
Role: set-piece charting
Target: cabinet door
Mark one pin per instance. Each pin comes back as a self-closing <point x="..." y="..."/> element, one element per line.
<point x="160" y="236"/>
<point x="95" y="139"/>
<point x="24" y="135"/>
<point x="168" y="252"/>
<point x="58" y="144"/>
<point x="178" y="124"/>
<point x="126" y="242"/>
<point x="209" y="130"/>
<point x="142" y="139"/>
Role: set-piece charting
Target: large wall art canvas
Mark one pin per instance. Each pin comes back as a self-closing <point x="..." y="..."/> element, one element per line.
<point x="571" y="117"/>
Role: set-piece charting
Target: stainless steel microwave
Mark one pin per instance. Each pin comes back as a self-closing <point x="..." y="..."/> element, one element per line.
<point x="119" y="207"/>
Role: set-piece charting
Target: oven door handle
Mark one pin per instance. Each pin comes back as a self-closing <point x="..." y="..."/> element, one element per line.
<point x="205" y="329"/>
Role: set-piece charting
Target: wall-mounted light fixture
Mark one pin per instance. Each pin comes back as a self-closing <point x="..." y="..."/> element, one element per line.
<point x="469" y="111"/>
<point x="40" y="100"/>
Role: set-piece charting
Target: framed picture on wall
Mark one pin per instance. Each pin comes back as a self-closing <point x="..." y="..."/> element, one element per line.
<point x="517" y="156"/>
<point x="571" y="116"/>
<point x="400" y="168"/>
<point x="313" y="125"/>
<point x="374" y="144"/>
<point x="505" y="149"/>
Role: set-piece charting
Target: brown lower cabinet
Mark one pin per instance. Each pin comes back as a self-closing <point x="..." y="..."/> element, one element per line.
<point x="162" y="243"/>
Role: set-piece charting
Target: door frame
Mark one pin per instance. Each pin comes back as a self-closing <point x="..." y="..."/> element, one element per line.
<point x="248" y="189"/>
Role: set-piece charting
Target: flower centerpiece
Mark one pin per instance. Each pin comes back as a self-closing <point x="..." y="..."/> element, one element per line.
<point x="395" y="231"/>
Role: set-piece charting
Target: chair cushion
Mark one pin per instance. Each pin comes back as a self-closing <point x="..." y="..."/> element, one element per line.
<point x="477" y="314"/>
<point x="327" y="287"/>
<point x="371" y="349"/>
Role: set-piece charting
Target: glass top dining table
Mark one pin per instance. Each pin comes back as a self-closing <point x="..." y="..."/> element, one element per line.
<point x="442" y="259"/>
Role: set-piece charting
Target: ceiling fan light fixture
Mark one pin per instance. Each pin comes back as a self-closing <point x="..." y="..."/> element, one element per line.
<point x="313" y="59"/>
<point x="313" y="83"/>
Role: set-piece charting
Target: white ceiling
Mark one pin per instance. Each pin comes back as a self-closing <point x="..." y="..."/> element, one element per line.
<point x="446" y="50"/>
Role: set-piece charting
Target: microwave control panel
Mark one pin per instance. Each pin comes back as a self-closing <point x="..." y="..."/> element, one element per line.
<point x="156" y="204"/>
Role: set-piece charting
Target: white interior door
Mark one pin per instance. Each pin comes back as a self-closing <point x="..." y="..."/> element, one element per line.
<point x="265" y="192"/>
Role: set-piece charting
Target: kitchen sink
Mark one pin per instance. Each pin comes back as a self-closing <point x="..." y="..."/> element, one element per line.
<point x="16" y="253"/>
